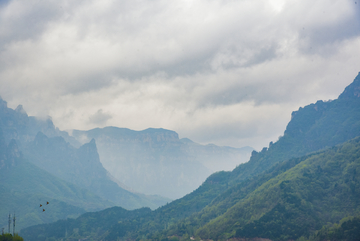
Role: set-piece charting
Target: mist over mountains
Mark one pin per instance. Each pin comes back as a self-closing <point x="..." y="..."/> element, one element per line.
<point x="41" y="162"/>
<point x="305" y="186"/>
<point x="156" y="161"/>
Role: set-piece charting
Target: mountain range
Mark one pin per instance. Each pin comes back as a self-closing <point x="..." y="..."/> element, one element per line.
<point x="156" y="161"/>
<point x="305" y="186"/>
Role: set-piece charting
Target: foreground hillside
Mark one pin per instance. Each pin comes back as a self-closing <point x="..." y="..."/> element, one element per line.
<point x="286" y="191"/>
<point x="319" y="188"/>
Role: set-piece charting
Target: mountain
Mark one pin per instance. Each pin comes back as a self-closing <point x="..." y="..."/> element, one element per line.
<point x="286" y="191"/>
<point x="82" y="167"/>
<point x="156" y="161"/>
<point x="24" y="186"/>
<point x="320" y="188"/>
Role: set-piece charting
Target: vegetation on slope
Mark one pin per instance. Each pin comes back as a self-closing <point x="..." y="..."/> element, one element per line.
<point x="325" y="187"/>
<point x="9" y="237"/>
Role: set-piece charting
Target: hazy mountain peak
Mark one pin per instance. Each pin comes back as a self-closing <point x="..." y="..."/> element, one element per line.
<point x="353" y="90"/>
<point x="89" y="152"/>
<point x="40" y="136"/>
<point x="20" y="110"/>
<point x="90" y="145"/>
<point x="186" y="140"/>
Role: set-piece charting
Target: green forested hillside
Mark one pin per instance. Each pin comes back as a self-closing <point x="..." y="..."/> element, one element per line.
<point x="347" y="229"/>
<point x="90" y="226"/>
<point x="324" y="187"/>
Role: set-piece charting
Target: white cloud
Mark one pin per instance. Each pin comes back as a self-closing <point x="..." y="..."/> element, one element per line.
<point x="227" y="72"/>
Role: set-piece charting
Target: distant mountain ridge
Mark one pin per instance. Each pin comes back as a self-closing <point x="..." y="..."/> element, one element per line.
<point x="156" y="161"/>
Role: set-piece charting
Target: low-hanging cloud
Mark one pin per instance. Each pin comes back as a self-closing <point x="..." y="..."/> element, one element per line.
<point x="227" y="72"/>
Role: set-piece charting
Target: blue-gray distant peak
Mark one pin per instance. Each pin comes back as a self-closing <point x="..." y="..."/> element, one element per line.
<point x="156" y="134"/>
<point x="20" y="110"/>
<point x="186" y="140"/>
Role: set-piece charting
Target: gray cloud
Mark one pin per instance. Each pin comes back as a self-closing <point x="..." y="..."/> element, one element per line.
<point x="99" y="118"/>
<point x="226" y="72"/>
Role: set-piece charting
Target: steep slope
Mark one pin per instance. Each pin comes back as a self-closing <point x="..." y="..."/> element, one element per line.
<point x="23" y="187"/>
<point x="322" y="188"/>
<point x="156" y="161"/>
<point x="314" y="127"/>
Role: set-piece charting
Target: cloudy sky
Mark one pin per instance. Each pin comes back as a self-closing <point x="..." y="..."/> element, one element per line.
<point x="228" y="72"/>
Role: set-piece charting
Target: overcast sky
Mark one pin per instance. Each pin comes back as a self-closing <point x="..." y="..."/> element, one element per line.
<point x="228" y="72"/>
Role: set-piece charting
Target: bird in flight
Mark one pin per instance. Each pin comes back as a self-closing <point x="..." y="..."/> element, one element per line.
<point x="41" y="206"/>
